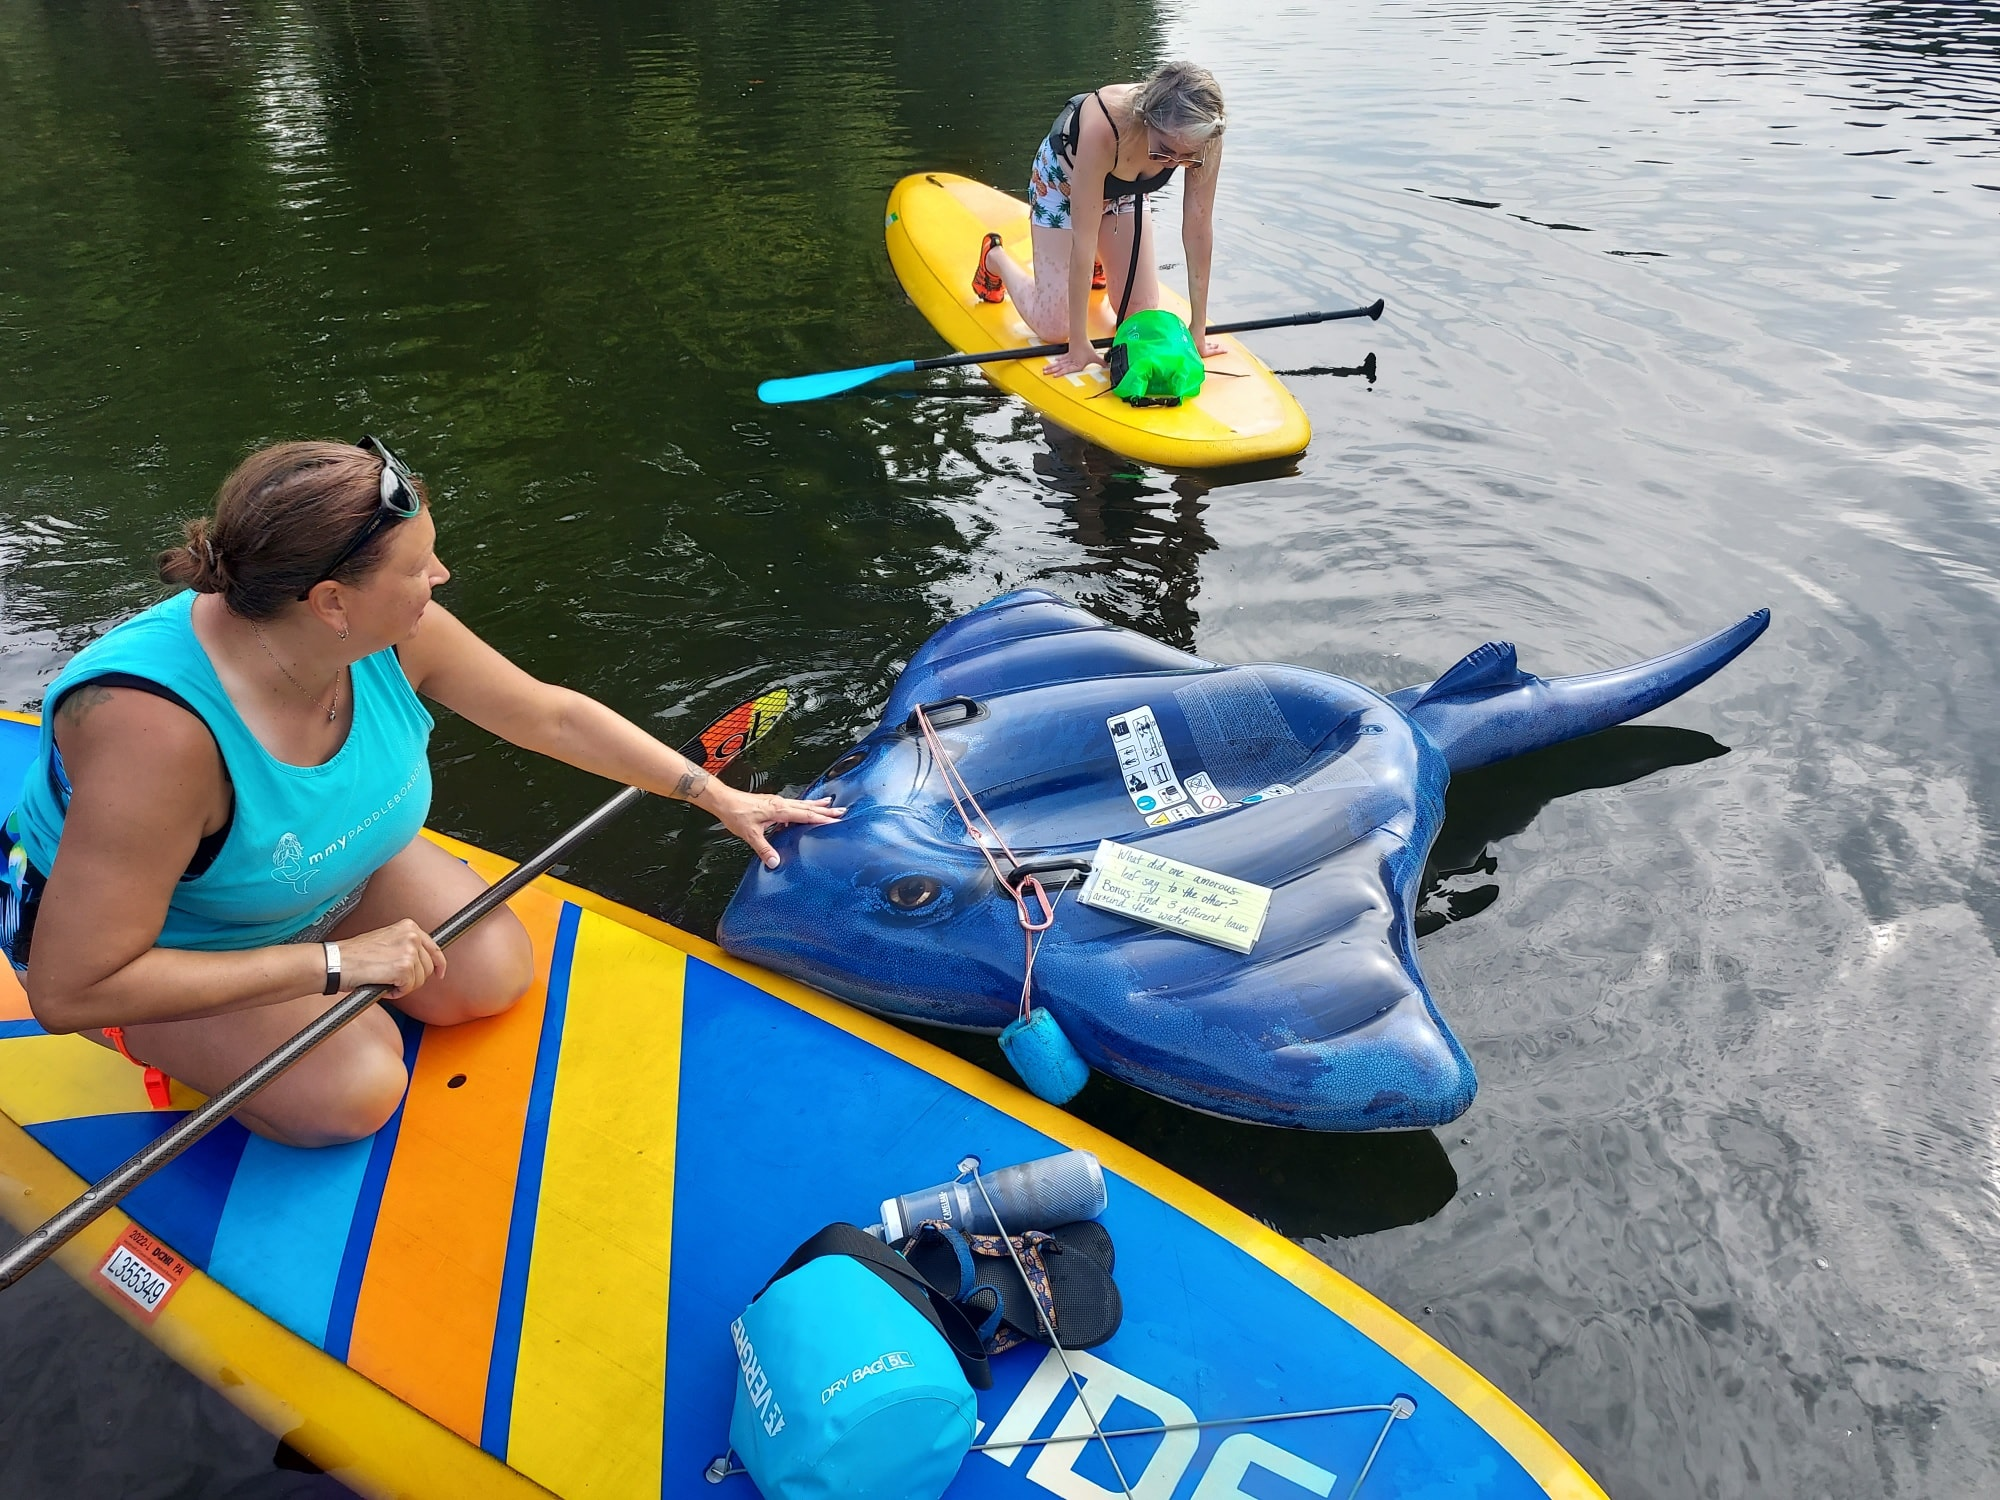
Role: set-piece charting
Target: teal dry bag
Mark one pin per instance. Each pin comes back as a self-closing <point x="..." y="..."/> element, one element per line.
<point x="1154" y="361"/>
<point x="853" y="1377"/>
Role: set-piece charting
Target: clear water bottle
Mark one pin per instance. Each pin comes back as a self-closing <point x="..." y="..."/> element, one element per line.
<point x="1034" y="1195"/>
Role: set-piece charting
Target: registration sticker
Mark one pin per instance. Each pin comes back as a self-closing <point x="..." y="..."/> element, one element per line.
<point x="143" y="1270"/>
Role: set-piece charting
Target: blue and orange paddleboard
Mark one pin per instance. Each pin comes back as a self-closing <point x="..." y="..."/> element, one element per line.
<point x="523" y="1284"/>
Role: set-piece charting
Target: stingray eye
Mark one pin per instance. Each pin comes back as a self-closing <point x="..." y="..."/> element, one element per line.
<point x="845" y="764"/>
<point x="913" y="892"/>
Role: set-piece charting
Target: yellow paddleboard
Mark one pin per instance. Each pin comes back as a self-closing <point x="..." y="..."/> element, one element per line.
<point x="935" y="225"/>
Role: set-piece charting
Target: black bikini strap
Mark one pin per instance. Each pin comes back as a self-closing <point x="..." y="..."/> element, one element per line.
<point x="1132" y="270"/>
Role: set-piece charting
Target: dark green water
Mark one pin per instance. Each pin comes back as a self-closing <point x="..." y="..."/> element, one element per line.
<point x="1693" y="308"/>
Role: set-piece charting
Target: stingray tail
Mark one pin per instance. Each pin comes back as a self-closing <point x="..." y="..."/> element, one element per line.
<point x="1487" y="709"/>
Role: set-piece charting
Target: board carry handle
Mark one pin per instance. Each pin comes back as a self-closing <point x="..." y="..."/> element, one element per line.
<point x="761" y="714"/>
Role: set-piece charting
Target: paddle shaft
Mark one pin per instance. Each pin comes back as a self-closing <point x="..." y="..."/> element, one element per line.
<point x="1250" y="325"/>
<point x="107" y="1193"/>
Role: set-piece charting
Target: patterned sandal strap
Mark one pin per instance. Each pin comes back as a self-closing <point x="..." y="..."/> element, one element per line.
<point x="1029" y="1246"/>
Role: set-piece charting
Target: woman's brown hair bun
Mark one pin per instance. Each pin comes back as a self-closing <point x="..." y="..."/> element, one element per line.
<point x="279" y="519"/>
<point x="195" y="564"/>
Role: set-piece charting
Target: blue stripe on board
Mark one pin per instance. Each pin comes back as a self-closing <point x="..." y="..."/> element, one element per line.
<point x="283" y="1235"/>
<point x="182" y="1202"/>
<point x="494" y="1429"/>
<point x="368" y="1203"/>
<point x="19" y="1028"/>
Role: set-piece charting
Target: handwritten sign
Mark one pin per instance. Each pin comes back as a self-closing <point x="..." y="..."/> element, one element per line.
<point x="1181" y="898"/>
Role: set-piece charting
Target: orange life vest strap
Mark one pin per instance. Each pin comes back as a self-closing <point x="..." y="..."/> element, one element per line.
<point x="158" y="1092"/>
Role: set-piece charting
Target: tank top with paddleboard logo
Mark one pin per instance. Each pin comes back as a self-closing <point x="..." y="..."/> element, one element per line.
<point x="301" y="838"/>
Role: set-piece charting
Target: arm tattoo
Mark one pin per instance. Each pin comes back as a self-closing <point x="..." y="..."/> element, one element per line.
<point x="77" y="704"/>
<point x="692" y="784"/>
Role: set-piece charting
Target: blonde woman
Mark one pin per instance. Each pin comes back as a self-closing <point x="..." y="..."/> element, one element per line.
<point x="1107" y="149"/>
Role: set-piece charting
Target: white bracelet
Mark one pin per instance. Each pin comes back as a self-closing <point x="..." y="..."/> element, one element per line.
<point x="332" y="968"/>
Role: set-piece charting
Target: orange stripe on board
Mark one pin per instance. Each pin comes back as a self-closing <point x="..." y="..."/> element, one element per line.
<point x="423" y="1327"/>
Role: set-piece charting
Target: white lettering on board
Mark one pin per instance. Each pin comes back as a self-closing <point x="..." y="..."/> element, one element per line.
<point x="1103" y="1382"/>
<point x="1235" y="1458"/>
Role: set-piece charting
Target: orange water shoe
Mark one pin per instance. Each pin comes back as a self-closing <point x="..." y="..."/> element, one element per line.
<point x="986" y="284"/>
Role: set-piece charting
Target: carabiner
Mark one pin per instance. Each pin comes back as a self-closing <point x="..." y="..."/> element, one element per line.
<point x="1042" y="897"/>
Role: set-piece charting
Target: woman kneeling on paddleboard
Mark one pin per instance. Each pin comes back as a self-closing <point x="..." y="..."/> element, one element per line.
<point x="221" y="828"/>
<point x="1107" y="150"/>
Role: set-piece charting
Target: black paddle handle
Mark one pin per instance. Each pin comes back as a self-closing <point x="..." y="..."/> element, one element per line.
<point x="108" y="1193"/>
<point x="1049" y="351"/>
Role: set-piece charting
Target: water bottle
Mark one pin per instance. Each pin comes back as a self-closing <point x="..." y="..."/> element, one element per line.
<point x="1034" y="1195"/>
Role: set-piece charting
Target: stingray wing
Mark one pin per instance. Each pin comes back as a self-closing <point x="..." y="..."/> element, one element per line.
<point x="1326" y="1024"/>
<point x="1022" y="640"/>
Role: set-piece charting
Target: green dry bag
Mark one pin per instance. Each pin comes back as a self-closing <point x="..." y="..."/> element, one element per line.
<point x="1154" y="361"/>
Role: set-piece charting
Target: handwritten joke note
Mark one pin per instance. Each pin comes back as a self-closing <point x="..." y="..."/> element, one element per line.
<point x="1181" y="898"/>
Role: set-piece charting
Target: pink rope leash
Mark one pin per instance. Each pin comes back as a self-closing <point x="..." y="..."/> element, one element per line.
<point x="987" y="837"/>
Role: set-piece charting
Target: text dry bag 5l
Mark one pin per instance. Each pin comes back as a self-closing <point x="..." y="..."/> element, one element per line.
<point x="850" y="1384"/>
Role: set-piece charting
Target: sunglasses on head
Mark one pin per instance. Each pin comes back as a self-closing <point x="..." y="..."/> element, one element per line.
<point x="398" y="502"/>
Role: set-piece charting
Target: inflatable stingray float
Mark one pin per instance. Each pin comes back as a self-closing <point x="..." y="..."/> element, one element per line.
<point x="1323" y="790"/>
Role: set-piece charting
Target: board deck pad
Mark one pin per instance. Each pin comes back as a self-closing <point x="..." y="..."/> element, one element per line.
<point x="543" y="1250"/>
<point x="935" y="224"/>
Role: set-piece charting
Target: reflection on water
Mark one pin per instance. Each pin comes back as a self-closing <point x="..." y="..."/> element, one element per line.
<point x="1692" y="308"/>
<point x="1486" y="807"/>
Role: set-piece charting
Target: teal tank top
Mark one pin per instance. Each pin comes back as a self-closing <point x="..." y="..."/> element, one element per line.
<point x="301" y="837"/>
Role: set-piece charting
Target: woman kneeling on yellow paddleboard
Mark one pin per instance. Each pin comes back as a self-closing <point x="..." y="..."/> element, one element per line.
<point x="221" y="828"/>
<point x="1107" y="150"/>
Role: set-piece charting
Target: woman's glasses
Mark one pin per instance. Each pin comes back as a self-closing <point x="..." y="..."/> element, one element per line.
<point x="1174" y="158"/>
<point x="398" y="502"/>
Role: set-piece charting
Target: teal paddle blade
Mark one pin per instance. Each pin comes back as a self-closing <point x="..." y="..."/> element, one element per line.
<point x="832" y="383"/>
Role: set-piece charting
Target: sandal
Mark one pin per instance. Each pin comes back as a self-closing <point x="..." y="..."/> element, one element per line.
<point x="940" y="1254"/>
<point x="986" y="284"/>
<point x="1069" y="1284"/>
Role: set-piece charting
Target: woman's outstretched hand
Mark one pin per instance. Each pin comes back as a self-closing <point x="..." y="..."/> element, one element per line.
<point x="750" y="815"/>
<point x="1075" y="360"/>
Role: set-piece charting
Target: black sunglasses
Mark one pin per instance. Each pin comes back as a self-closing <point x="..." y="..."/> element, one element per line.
<point x="398" y="502"/>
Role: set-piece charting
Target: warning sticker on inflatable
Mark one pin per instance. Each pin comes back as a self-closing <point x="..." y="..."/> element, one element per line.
<point x="1206" y="798"/>
<point x="1146" y="768"/>
<point x="1151" y="781"/>
<point x="1276" y="789"/>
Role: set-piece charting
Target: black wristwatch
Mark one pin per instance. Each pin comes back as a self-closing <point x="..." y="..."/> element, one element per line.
<point x="332" y="968"/>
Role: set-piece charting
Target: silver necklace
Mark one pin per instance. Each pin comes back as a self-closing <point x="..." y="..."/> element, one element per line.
<point x="312" y="698"/>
